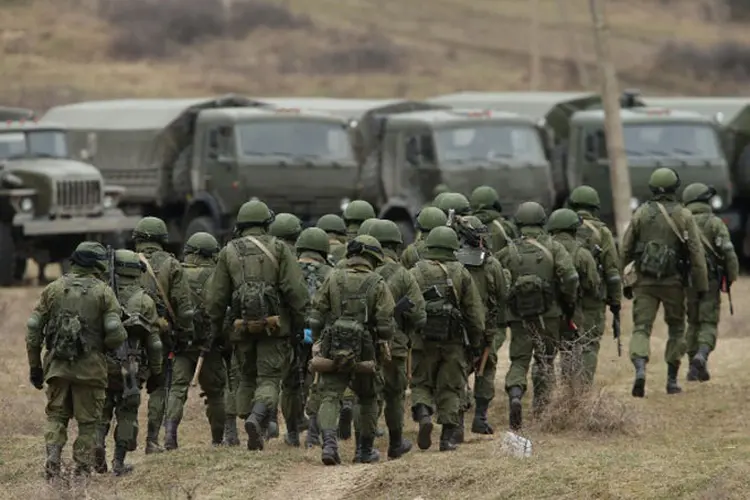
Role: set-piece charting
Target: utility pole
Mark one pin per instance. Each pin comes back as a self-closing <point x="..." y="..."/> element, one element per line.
<point x="535" y="63"/>
<point x="618" y="161"/>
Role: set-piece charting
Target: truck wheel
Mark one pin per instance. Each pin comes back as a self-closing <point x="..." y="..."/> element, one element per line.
<point x="407" y="231"/>
<point x="7" y="256"/>
<point x="202" y="224"/>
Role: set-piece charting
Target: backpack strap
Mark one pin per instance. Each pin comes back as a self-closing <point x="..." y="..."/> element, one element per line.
<point x="709" y="246"/>
<point x="503" y="232"/>
<point x="594" y="229"/>
<point x="671" y="222"/>
<point x="447" y="277"/>
<point x="159" y="288"/>
<point x="264" y="249"/>
<point x="541" y="247"/>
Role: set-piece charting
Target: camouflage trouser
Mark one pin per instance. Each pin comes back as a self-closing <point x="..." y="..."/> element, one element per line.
<point x="539" y="341"/>
<point x="484" y="386"/>
<point x="125" y="410"/>
<point x="645" y="306"/>
<point x="157" y="403"/>
<point x="66" y="400"/>
<point x="703" y="318"/>
<point x="579" y="350"/>
<point x="394" y="393"/>
<point x="212" y="381"/>
<point x="263" y="363"/>
<point x="332" y="386"/>
<point x="593" y="330"/>
<point x="313" y="398"/>
<point x="294" y="396"/>
<point x="439" y="380"/>
<point x="230" y="391"/>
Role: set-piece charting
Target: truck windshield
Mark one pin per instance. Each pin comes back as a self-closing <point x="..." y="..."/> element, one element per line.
<point x="309" y="139"/>
<point x="489" y="142"/>
<point x="46" y="143"/>
<point x="672" y="139"/>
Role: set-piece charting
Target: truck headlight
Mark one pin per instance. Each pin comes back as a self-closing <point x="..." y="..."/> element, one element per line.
<point x="26" y="205"/>
<point x="634" y="203"/>
<point x="717" y="202"/>
<point x="344" y="204"/>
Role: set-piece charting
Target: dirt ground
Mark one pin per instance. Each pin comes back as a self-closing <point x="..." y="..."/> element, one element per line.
<point x="694" y="446"/>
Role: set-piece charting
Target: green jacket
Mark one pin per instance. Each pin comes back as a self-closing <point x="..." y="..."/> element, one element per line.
<point x="589" y="282"/>
<point x="502" y="231"/>
<point x="338" y="249"/>
<point x="198" y="272"/>
<point x="717" y="243"/>
<point x="608" y="264"/>
<point x="493" y="284"/>
<point x="315" y="270"/>
<point x="413" y="253"/>
<point x="98" y="310"/>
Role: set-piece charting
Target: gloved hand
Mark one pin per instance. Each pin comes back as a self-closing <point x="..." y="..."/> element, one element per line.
<point x="627" y="292"/>
<point x="36" y="377"/>
<point x="615" y="307"/>
<point x="154" y="382"/>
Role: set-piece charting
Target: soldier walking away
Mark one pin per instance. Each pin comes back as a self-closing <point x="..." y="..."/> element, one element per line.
<point x="428" y="219"/>
<point x="164" y="280"/>
<point x="456" y="202"/>
<point x="454" y="332"/>
<point x="231" y="437"/>
<point x="543" y="290"/>
<point x="355" y="213"/>
<point x="129" y="366"/>
<point x="485" y="205"/>
<point x="76" y="320"/>
<point x="258" y="276"/>
<point x="335" y="228"/>
<point x="598" y="239"/>
<point x="723" y="269"/>
<point x="351" y="323"/>
<point x="663" y="241"/>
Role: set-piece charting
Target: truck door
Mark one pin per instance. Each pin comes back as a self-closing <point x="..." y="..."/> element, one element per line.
<point x="418" y="167"/>
<point x="220" y="167"/>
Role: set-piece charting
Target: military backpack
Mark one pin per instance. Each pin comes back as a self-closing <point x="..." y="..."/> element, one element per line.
<point x="68" y="328"/>
<point x="532" y="268"/>
<point x="197" y="278"/>
<point x="444" y="319"/>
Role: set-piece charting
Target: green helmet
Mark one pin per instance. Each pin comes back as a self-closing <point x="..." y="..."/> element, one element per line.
<point x="366" y="225"/>
<point x="664" y="180"/>
<point x="332" y="223"/>
<point x="430" y="218"/>
<point x="584" y="196"/>
<point x="254" y="213"/>
<point x="365" y="244"/>
<point x="436" y="201"/>
<point x="90" y="254"/>
<point x="443" y="237"/>
<point x="127" y="263"/>
<point x="530" y="213"/>
<point x="285" y="226"/>
<point x="314" y="239"/>
<point x="474" y="222"/>
<point x="456" y="201"/>
<point x="698" y="192"/>
<point x="440" y="189"/>
<point x="203" y="244"/>
<point x="485" y="197"/>
<point x="563" y="219"/>
<point x="150" y="229"/>
<point x="358" y="211"/>
<point x="387" y="232"/>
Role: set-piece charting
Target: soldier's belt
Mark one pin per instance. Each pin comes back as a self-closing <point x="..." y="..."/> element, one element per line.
<point x="269" y="324"/>
<point x="320" y="364"/>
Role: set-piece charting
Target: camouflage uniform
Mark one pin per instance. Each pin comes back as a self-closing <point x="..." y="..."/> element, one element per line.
<point x="597" y="238"/>
<point x="176" y="315"/>
<point x="440" y="356"/>
<point x="76" y="319"/>
<point x="144" y="344"/>
<point x="661" y="255"/>
<point x="485" y="205"/>
<point x="335" y="228"/>
<point x="428" y="219"/>
<point x="230" y="400"/>
<point x="723" y="270"/>
<point x="544" y="287"/>
<point x="352" y="315"/>
<point x="258" y="276"/>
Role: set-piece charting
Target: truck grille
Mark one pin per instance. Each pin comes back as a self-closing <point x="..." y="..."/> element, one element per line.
<point x="74" y="197"/>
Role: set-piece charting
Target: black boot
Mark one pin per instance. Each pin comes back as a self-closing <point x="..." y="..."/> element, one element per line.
<point x="515" y="409"/>
<point x="217" y="436"/>
<point x="313" y="433"/>
<point x="698" y="364"/>
<point x="368" y="454"/>
<point x="639" y="384"/>
<point x="345" y="420"/>
<point x="254" y="426"/>
<point x="692" y="374"/>
<point x="397" y="445"/>
<point x="291" y="438"/>
<point x="170" y="435"/>
<point x="447" y="438"/>
<point x="52" y="464"/>
<point x="272" y="431"/>
<point x="672" y="385"/>
<point x="480" y="425"/>
<point x="100" y="452"/>
<point x="458" y="434"/>
<point x="330" y="454"/>
<point x="231" y="438"/>
<point x="303" y="423"/>
<point x="423" y="418"/>
<point x="152" y="439"/>
<point x="119" y="468"/>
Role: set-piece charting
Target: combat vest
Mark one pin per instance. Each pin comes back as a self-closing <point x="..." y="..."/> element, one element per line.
<point x="488" y="290"/>
<point x="589" y="235"/>
<point x="75" y="328"/>
<point x="130" y="297"/>
<point x="714" y="255"/>
<point x="160" y="262"/>
<point x="532" y="268"/>
<point x="444" y="319"/>
<point x="574" y="247"/>
<point x="197" y="278"/>
<point x="314" y="274"/>
<point x="660" y="249"/>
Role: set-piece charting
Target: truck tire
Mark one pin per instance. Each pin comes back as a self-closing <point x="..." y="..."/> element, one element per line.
<point x="7" y="256"/>
<point x="202" y="224"/>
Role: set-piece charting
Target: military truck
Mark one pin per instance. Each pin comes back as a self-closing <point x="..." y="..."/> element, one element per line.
<point x="194" y="162"/>
<point x="49" y="202"/>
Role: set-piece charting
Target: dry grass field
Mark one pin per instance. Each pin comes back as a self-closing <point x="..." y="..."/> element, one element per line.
<point x="692" y="446"/>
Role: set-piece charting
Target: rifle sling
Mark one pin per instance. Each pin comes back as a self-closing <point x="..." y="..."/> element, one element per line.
<point x="159" y="288"/>
<point x="671" y="222"/>
<point x="264" y="249"/>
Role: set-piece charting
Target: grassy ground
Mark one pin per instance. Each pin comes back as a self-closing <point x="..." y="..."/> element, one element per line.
<point x="695" y="445"/>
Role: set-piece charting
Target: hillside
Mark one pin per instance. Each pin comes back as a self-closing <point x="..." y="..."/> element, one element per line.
<point x="55" y="51"/>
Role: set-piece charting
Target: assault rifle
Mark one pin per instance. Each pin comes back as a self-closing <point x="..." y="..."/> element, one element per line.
<point x="616" y="332"/>
<point x="403" y="306"/>
<point x="128" y="358"/>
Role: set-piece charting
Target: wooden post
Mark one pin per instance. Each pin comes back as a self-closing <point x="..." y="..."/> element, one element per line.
<point x="535" y="63"/>
<point x="618" y="161"/>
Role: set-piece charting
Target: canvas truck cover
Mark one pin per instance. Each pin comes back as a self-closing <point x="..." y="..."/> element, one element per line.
<point x="7" y="113"/>
<point x="136" y="142"/>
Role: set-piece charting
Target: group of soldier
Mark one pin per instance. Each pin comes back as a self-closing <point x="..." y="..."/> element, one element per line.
<point x="333" y="323"/>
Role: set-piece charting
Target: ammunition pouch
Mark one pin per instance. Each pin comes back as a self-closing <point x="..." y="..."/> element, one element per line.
<point x="320" y="364"/>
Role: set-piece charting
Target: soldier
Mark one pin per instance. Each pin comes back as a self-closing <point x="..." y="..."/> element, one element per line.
<point x="335" y="228"/>
<point x="598" y="239"/>
<point x="563" y="225"/>
<point x="364" y="229"/>
<point x="164" y="280"/>
<point x="454" y="325"/>
<point x="454" y="201"/>
<point x="493" y="283"/>
<point x="123" y="390"/>
<point x="355" y="214"/>
<point x="409" y="319"/>
<point x="427" y="220"/>
<point x="231" y="437"/>
<point x="544" y="287"/>
<point x="258" y="276"/>
<point x="200" y="253"/>
<point x="485" y="205"/>
<point x="723" y="269"/>
<point x="76" y="319"/>
<point x="351" y="319"/>
<point x="663" y="242"/>
<point x="312" y="250"/>
<point x="439" y="189"/>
